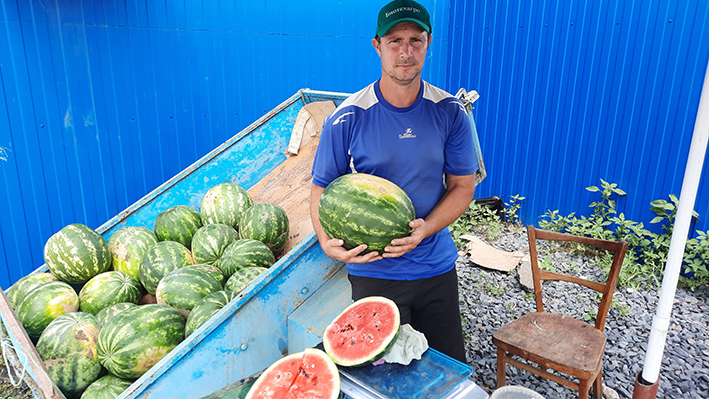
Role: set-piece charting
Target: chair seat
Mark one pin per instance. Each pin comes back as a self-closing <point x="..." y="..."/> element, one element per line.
<point x="560" y="342"/>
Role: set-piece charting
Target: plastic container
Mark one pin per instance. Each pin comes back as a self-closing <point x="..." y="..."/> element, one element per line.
<point x="515" y="392"/>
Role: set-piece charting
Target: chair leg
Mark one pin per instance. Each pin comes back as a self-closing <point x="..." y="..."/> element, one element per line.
<point x="598" y="386"/>
<point x="584" y="387"/>
<point x="501" y="369"/>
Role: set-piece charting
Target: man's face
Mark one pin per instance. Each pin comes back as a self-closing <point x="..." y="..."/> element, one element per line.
<point x="403" y="51"/>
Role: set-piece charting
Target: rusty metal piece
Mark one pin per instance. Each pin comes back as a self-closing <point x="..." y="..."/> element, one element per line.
<point x="643" y="389"/>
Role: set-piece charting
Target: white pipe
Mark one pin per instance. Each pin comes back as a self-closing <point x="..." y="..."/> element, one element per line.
<point x="688" y="195"/>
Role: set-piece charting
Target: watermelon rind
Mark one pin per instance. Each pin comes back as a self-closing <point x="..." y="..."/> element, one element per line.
<point x="108" y="289"/>
<point x="159" y="260"/>
<point x="210" y="241"/>
<point x="178" y="223"/>
<point x="206" y="308"/>
<point x="133" y="341"/>
<point x="76" y="253"/>
<point x="46" y="303"/>
<point x="363" y="332"/>
<point x="68" y="348"/>
<point x="127" y="246"/>
<point x="23" y="286"/>
<point x="359" y="208"/>
<point x="183" y="288"/>
<point x="107" y="313"/>
<point x="106" y="387"/>
<point x="307" y="374"/>
<point x="225" y="203"/>
<point x="265" y="222"/>
<point x="245" y="253"/>
<point x="243" y="277"/>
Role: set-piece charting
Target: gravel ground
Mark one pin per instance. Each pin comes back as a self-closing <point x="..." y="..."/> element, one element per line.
<point x="490" y="299"/>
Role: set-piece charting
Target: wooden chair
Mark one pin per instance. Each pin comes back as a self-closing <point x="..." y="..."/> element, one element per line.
<point x="558" y="342"/>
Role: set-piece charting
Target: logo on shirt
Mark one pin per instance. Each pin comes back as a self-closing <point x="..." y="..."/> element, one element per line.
<point x="339" y="118"/>
<point x="407" y="134"/>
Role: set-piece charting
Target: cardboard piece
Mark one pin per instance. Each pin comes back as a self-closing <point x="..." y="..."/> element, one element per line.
<point x="488" y="257"/>
<point x="308" y="125"/>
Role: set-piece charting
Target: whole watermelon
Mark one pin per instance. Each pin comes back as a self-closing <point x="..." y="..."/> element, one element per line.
<point x="265" y="222"/>
<point x="178" y="223"/>
<point x="107" y="313"/>
<point x="183" y="288"/>
<point x="133" y="341"/>
<point x="106" y="387"/>
<point x="46" y="303"/>
<point x="245" y="253"/>
<point x="210" y="241"/>
<point x="68" y="348"/>
<point x="127" y="246"/>
<point x="212" y="270"/>
<point x="206" y="308"/>
<point x="225" y="203"/>
<point x="76" y="253"/>
<point x="242" y="277"/>
<point x="108" y="289"/>
<point x="159" y="260"/>
<point x="364" y="209"/>
<point x="23" y="286"/>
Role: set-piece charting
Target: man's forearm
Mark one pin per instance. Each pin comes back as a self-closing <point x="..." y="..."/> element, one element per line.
<point x="453" y="203"/>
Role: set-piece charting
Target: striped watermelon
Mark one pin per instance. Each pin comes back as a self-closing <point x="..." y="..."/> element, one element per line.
<point x="23" y="286"/>
<point x="178" y="223"/>
<point x="108" y="289"/>
<point x="265" y="222"/>
<point x="161" y="259"/>
<point x="183" y="288"/>
<point x="363" y="332"/>
<point x="245" y="253"/>
<point x="76" y="253"/>
<point x="364" y="209"/>
<point x="209" y="243"/>
<point x="127" y="246"/>
<point x="242" y="277"/>
<point x="106" y="387"/>
<point x="105" y="314"/>
<point x="133" y="341"/>
<point x="212" y="270"/>
<point x="206" y="308"/>
<point x="68" y="348"/>
<point x="225" y="203"/>
<point x="46" y="303"/>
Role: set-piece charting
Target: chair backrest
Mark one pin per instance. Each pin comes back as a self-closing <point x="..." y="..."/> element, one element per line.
<point x="607" y="288"/>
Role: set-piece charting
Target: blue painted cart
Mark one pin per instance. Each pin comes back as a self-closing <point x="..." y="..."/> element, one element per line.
<point x="283" y="311"/>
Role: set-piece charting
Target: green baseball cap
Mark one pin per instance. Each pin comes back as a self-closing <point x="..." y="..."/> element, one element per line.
<point x="402" y="11"/>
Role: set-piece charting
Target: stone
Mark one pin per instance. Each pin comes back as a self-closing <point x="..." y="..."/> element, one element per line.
<point x="610" y="393"/>
<point x="524" y="272"/>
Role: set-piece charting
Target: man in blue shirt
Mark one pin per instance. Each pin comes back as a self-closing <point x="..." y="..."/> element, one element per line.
<point x="419" y="137"/>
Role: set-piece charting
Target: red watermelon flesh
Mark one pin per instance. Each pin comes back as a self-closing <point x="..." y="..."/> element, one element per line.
<point x="363" y="332"/>
<point x="308" y="374"/>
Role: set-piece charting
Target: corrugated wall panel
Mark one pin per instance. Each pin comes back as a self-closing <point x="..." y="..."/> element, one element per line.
<point x="102" y="101"/>
<point x="573" y="92"/>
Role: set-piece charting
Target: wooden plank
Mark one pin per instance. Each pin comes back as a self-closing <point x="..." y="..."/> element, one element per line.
<point x="288" y="186"/>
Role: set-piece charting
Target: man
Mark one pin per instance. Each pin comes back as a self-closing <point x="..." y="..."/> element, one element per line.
<point x="419" y="137"/>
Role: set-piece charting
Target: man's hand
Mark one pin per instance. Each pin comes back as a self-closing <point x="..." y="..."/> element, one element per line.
<point x="400" y="246"/>
<point x="334" y="249"/>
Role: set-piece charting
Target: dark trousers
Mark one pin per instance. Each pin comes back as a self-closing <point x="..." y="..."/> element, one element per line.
<point x="430" y="305"/>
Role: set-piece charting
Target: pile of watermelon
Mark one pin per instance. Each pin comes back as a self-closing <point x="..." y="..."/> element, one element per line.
<point x="110" y="310"/>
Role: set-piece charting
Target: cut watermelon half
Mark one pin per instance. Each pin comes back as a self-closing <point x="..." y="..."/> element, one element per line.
<point x="363" y="332"/>
<point x="307" y="374"/>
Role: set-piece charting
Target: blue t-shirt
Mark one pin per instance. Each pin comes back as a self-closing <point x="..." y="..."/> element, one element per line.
<point x="413" y="147"/>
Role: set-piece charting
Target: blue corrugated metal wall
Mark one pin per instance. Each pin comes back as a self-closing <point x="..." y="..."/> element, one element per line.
<point x="102" y="101"/>
<point x="577" y="91"/>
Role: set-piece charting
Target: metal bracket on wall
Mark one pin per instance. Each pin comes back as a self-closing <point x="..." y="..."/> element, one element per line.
<point x="467" y="97"/>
